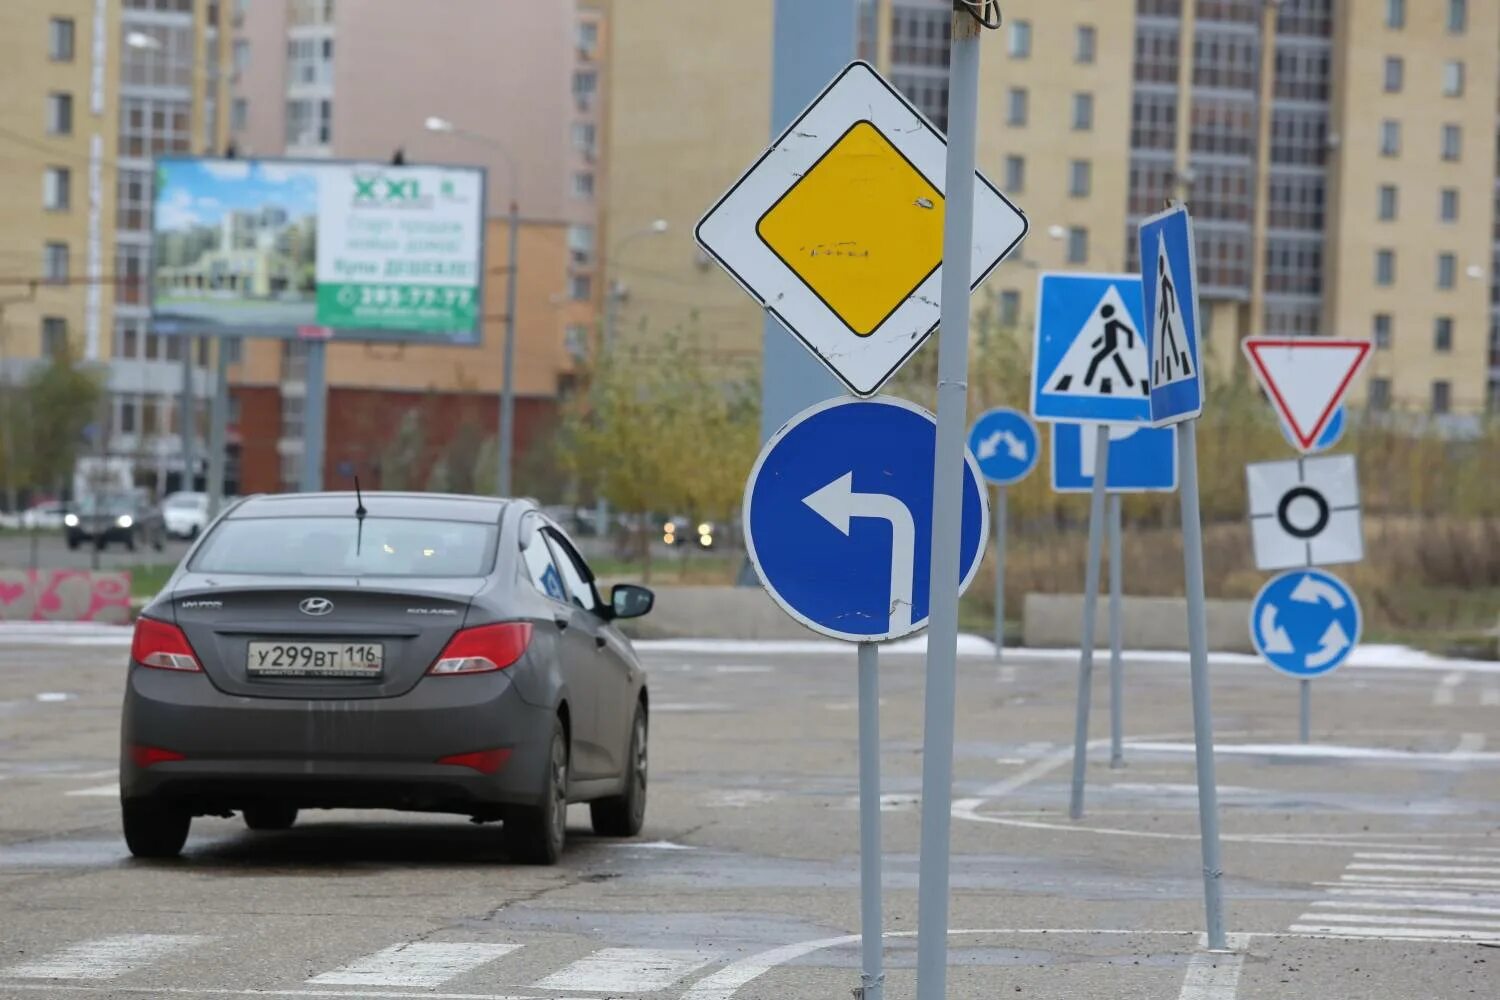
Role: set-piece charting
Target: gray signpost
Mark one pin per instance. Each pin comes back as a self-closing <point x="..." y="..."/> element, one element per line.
<point x="1116" y="679"/>
<point x="1097" y="502"/>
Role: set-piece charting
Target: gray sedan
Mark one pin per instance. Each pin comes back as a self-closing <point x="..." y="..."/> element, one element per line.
<point x="404" y="651"/>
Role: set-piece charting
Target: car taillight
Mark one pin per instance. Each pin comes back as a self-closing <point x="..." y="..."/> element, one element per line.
<point x="482" y="649"/>
<point x="483" y="761"/>
<point x="162" y="646"/>
<point x="144" y="756"/>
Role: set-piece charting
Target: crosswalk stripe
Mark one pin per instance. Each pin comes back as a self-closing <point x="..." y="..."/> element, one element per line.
<point x="421" y="963"/>
<point x="1339" y="889"/>
<point x="1369" y="918"/>
<point x="1366" y="866"/>
<point x="1396" y="932"/>
<point x="105" y="958"/>
<point x="1478" y="883"/>
<point x="1350" y="904"/>
<point x="1460" y="858"/>
<point x="626" y="970"/>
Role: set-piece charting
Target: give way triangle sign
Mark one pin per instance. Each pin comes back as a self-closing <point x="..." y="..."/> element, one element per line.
<point x="1306" y="378"/>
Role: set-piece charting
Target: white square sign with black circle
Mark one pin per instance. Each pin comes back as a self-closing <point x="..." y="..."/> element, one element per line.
<point x="1305" y="512"/>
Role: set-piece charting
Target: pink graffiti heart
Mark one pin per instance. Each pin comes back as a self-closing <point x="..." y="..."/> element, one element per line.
<point x="10" y="593"/>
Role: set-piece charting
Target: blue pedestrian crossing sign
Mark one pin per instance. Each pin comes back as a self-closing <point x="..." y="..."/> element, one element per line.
<point x="838" y="517"/>
<point x="1006" y="445"/>
<point x="1141" y="459"/>
<point x="1169" y="273"/>
<point x="1305" y="622"/>
<point x="1089" y="358"/>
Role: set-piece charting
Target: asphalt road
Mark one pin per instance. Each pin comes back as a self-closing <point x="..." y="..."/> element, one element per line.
<point x="1368" y="867"/>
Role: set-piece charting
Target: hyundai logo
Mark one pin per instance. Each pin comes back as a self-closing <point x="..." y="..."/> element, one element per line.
<point x="315" y="606"/>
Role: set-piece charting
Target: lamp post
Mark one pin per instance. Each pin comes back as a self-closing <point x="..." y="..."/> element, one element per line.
<point x="507" y="377"/>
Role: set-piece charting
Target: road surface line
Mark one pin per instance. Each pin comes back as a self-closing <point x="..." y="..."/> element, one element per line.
<point x="1443" y="693"/>
<point x="1366" y="918"/>
<point x="1339" y="889"/>
<point x="105" y="958"/>
<point x="1460" y="858"/>
<point x="1367" y="866"/>
<point x="1414" y="907"/>
<point x="103" y="791"/>
<point x="1384" y="933"/>
<point x="1215" y="975"/>
<point x="1477" y="883"/>
<point x="626" y="970"/>
<point x="201" y="991"/>
<point x="422" y="963"/>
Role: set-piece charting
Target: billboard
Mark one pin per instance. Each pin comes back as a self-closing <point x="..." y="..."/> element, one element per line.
<point x="288" y="248"/>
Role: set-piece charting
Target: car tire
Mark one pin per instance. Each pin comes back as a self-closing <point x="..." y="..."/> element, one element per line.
<point x="624" y="815"/>
<point x="159" y="542"/>
<point x="130" y="542"/>
<point x="534" y="835"/>
<point x="73" y="544"/>
<point x="153" y="830"/>
<point x="270" y="817"/>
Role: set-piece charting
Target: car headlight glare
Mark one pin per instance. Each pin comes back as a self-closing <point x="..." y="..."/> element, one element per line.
<point x="71" y="520"/>
<point x="124" y="521"/>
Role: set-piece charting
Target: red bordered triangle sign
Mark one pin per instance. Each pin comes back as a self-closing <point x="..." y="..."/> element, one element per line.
<point x="1306" y="378"/>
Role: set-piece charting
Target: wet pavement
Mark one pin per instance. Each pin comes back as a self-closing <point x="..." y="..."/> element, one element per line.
<point x="1365" y="866"/>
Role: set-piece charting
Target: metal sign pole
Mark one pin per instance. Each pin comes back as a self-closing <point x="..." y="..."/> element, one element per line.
<point x="1000" y="529"/>
<point x="947" y="511"/>
<point x="185" y="418"/>
<point x="314" y="415"/>
<point x="1203" y="734"/>
<point x="218" y="418"/>
<point x="1304" y="726"/>
<point x="1116" y="680"/>
<point x="1090" y="612"/>
<point x="872" y="980"/>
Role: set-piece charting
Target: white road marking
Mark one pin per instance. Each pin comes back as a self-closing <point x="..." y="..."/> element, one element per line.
<point x="422" y="963"/>
<point x="1215" y="975"/>
<point x="1366" y="918"/>
<point x="626" y="970"/>
<point x="692" y="706"/>
<point x="220" y="991"/>
<point x="1478" y="883"/>
<point x="1396" y="932"/>
<point x="1472" y="911"/>
<point x="1323" y="750"/>
<point x="1367" y="866"/>
<point x="1339" y="889"/>
<point x="106" y="958"/>
<point x="1443" y="694"/>
<point x="1468" y="744"/>
<point x="111" y="791"/>
<point x="749" y="669"/>
<point x="1462" y="858"/>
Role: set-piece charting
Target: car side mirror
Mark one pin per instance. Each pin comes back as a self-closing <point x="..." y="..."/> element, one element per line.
<point x="627" y="600"/>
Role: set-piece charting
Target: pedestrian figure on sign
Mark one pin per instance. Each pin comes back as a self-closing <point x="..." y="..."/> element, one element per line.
<point x="1107" y="345"/>
<point x="1171" y="352"/>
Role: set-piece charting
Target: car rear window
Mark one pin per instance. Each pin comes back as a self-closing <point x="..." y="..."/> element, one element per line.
<point x="336" y="546"/>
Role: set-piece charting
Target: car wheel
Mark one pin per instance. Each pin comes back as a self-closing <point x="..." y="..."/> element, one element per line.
<point x="159" y="542"/>
<point x="270" y="817"/>
<point x="193" y="532"/>
<point x="624" y="815"/>
<point x="535" y="834"/>
<point x="72" y="544"/>
<point x="130" y="542"/>
<point x="153" y="830"/>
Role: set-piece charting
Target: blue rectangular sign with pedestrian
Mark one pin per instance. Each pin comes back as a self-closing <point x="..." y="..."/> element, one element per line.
<point x="1141" y="459"/>
<point x="1089" y="359"/>
<point x="1170" y="288"/>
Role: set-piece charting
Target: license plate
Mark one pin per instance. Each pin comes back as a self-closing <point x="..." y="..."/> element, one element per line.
<point x="316" y="659"/>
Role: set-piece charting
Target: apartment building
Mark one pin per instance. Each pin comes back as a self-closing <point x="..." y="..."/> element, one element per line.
<point x="514" y="88"/>
<point x="1338" y="158"/>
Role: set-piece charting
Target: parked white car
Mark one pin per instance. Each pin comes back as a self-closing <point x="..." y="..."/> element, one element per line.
<point x="47" y="516"/>
<point x="185" y="514"/>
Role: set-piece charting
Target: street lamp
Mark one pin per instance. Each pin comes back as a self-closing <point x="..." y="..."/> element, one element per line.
<point x="444" y="126"/>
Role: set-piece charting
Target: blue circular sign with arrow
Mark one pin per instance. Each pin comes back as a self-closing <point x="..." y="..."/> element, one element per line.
<point x="1005" y="444"/>
<point x="1333" y="431"/>
<point x="1305" y="622"/>
<point x="838" y="517"/>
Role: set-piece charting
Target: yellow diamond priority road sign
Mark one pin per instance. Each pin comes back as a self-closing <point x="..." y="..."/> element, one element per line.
<point x="837" y="229"/>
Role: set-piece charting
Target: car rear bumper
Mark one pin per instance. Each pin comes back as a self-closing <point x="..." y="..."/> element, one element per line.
<point x="333" y="753"/>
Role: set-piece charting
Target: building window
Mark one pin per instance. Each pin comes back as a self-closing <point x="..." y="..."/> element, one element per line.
<point x="1458" y="16"/>
<point x="1380" y="394"/>
<point x="60" y="39"/>
<point x="584" y="136"/>
<point x="1078" y="245"/>
<point x="309" y="122"/>
<point x="59" y="114"/>
<point x="55" y="262"/>
<point x="1083" y="112"/>
<point x="1447" y="270"/>
<point x="585" y="86"/>
<point x="57" y="189"/>
<point x="581" y="243"/>
<point x="583" y="185"/>
<point x="1448" y="204"/>
<point x="1387" y="205"/>
<point x="1393" y="74"/>
<point x="1395" y="13"/>
<point x="54" y="336"/>
<point x="1016" y="106"/>
<point x="1080" y="178"/>
<point x="127" y="416"/>
<point x="580" y="287"/>
<point x="587" y="34"/>
<point x="1390" y="138"/>
<point x="1086" y="44"/>
<point x="1020" y="39"/>
<point x="1442" y="396"/>
<point x="239" y="114"/>
<point x="1453" y="142"/>
<point x="576" y="341"/>
<point x="1385" y="267"/>
<point x="1015" y="174"/>
<point x="309" y="61"/>
<point x="1442" y="334"/>
<point x="1380" y="331"/>
<point x="1453" y="78"/>
<point x="1010" y="307"/>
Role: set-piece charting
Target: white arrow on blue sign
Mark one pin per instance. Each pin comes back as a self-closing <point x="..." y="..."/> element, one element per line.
<point x="1141" y="459"/>
<point x="1169" y="273"/>
<point x="1305" y="622"/>
<point x="1005" y="443"/>
<point x="1089" y="356"/>
<point x="838" y="517"/>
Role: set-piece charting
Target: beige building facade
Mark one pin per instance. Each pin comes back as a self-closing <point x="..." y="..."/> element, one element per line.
<point x="1267" y="118"/>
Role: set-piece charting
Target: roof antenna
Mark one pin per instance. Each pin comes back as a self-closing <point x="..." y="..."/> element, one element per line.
<point x="359" y="515"/>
